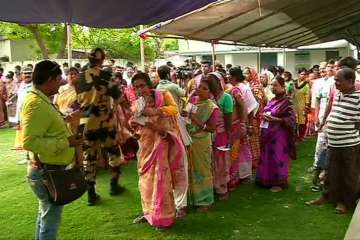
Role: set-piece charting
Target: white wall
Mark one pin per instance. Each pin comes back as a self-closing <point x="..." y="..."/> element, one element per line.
<point x="280" y="59"/>
<point x="246" y="59"/>
<point x="317" y="53"/>
<point x="250" y="59"/>
<point x="23" y="50"/>
<point x="290" y="62"/>
<point x="317" y="56"/>
<point x="221" y="58"/>
<point x="238" y="59"/>
<point x="5" y="49"/>
<point x="344" y="52"/>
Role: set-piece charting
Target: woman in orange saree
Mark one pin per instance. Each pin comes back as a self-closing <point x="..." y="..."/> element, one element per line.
<point x="161" y="152"/>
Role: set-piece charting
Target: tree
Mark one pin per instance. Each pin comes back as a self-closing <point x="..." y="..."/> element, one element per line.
<point x="34" y="29"/>
<point x="170" y="45"/>
<point x="118" y="43"/>
<point x="51" y="38"/>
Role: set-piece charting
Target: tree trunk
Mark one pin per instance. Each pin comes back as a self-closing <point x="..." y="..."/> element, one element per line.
<point x="34" y="29"/>
<point x="158" y="52"/>
<point x="61" y="53"/>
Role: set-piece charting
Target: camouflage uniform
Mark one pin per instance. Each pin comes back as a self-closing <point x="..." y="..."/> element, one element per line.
<point x="96" y="93"/>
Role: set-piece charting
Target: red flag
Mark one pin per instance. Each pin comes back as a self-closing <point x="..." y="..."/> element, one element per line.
<point x="144" y="36"/>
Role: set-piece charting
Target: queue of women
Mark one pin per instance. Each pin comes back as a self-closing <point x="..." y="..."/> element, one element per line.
<point x="196" y="146"/>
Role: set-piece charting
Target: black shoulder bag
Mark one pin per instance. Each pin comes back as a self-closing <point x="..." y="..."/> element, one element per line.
<point x="64" y="185"/>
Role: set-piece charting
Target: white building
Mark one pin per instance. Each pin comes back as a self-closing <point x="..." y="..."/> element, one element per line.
<point x="292" y="59"/>
<point x="18" y="50"/>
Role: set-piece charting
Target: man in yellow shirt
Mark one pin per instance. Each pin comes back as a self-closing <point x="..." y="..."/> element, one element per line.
<point x="45" y="135"/>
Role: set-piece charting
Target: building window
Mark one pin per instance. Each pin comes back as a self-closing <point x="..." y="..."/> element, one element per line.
<point x="302" y="60"/>
<point x="331" y="55"/>
<point x="207" y="58"/>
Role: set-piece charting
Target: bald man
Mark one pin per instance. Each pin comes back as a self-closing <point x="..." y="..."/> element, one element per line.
<point x="342" y="128"/>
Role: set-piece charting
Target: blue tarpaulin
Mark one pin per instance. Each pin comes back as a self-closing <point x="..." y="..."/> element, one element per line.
<point x="97" y="13"/>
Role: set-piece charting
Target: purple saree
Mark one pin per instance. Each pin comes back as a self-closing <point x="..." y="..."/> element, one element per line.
<point x="277" y="144"/>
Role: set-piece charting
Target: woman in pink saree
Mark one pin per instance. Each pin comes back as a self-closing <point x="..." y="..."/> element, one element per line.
<point x="246" y="107"/>
<point x="161" y="152"/>
<point x="222" y="139"/>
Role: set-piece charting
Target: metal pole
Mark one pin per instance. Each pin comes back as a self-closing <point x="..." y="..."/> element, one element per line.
<point x="259" y="60"/>
<point x="69" y="43"/>
<point x="142" y="50"/>
<point x="284" y="57"/>
<point x="213" y="54"/>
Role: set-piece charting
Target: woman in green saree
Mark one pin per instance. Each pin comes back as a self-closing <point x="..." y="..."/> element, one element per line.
<point x="203" y="123"/>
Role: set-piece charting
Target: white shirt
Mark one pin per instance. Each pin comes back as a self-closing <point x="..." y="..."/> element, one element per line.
<point x="23" y="90"/>
<point x="323" y="94"/>
<point x="316" y="85"/>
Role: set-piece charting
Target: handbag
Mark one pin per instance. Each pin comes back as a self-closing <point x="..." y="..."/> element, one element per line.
<point x="64" y="186"/>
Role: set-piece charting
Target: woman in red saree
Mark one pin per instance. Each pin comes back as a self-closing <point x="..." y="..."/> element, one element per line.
<point x="161" y="152"/>
<point x="3" y="109"/>
<point x="128" y="143"/>
<point x="251" y="76"/>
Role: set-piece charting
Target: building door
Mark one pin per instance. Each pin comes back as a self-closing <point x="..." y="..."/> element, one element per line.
<point x="332" y="55"/>
<point x="207" y="58"/>
<point x="268" y="59"/>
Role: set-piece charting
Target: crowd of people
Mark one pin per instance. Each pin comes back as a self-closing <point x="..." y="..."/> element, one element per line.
<point x="197" y="131"/>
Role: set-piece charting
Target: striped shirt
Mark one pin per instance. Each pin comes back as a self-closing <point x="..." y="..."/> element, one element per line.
<point x="344" y="115"/>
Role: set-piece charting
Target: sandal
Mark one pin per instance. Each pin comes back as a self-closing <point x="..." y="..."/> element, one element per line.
<point x="203" y="209"/>
<point x="276" y="189"/>
<point x="318" y="201"/>
<point x="181" y="213"/>
<point x="223" y="197"/>
<point x="341" y="209"/>
<point x="140" y="219"/>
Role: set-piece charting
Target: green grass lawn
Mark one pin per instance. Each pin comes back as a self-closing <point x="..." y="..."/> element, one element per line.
<point x="250" y="212"/>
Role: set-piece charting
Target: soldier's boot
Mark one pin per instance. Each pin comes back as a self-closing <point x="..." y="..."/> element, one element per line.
<point x="93" y="197"/>
<point x="115" y="188"/>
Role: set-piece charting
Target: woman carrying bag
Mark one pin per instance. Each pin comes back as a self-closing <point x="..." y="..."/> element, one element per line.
<point x="51" y="144"/>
